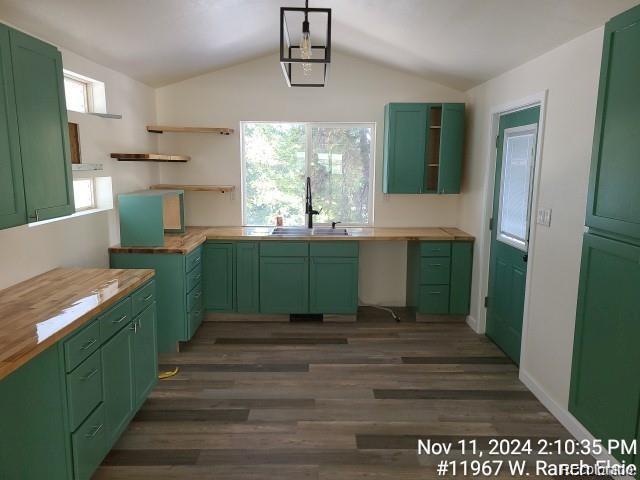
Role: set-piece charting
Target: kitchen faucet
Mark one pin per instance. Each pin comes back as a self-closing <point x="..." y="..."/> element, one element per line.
<point x="308" y="207"/>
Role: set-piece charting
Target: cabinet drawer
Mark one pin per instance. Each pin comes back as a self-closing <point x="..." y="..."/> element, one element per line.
<point x="194" y="278"/>
<point x="434" y="299"/>
<point x="193" y="260"/>
<point x="84" y="387"/>
<point x="333" y="249"/>
<point x="114" y="319"/>
<point x="143" y="297"/>
<point x="194" y="299"/>
<point x="277" y="248"/>
<point x="81" y="345"/>
<point x="434" y="270"/>
<point x="435" y="249"/>
<point x="89" y="445"/>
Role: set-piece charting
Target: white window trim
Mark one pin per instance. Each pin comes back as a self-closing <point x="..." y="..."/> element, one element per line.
<point x="308" y="126"/>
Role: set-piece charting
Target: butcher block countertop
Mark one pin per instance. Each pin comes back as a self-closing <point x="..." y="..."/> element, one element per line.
<point x="38" y="312"/>
<point x="195" y="236"/>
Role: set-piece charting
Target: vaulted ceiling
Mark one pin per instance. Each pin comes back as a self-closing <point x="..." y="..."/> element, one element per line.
<point x="460" y="43"/>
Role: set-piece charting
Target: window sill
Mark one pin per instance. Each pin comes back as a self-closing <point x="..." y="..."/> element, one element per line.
<point x="81" y="213"/>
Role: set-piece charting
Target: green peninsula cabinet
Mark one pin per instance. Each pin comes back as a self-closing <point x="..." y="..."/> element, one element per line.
<point x="439" y="277"/>
<point x="423" y="148"/>
<point x="179" y="285"/>
<point x="36" y="183"/>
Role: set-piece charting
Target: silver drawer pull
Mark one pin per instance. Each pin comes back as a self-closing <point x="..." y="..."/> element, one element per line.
<point x="120" y="320"/>
<point x="148" y="297"/>
<point x="95" y="431"/>
<point x="90" y="374"/>
<point x="89" y="344"/>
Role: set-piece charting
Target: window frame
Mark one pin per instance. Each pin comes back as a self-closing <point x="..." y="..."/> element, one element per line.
<point x="308" y="148"/>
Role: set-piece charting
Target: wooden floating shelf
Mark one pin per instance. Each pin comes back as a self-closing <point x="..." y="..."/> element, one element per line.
<point x="150" y="157"/>
<point x="193" y="188"/>
<point x="167" y="128"/>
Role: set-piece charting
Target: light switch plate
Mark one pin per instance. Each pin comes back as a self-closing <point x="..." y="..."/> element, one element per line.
<point x="544" y="217"/>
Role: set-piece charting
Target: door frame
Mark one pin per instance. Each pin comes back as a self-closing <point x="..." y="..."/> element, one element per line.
<point x="538" y="99"/>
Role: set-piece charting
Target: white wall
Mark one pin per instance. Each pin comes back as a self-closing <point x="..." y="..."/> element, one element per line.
<point x="83" y="241"/>
<point x="357" y="92"/>
<point x="570" y="74"/>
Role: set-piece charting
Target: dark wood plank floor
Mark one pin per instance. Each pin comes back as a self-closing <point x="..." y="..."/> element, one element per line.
<point x="324" y="401"/>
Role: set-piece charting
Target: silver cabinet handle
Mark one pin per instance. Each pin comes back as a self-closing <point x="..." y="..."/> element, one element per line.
<point x="89" y="375"/>
<point x="95" y="431"/>
<point x="89" y="344"/>
<point x="120" y="320"/>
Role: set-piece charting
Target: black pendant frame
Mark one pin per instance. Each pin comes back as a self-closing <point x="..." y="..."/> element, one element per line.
<point x="286" y="60"/>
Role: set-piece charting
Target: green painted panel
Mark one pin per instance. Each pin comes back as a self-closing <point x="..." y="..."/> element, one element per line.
<point x="433" y="299"/>
<point x="34" y="444"/>
<point x="218" y="276"/>
<point x="145" y="355"/>
<point x="12" y="203"/>
<point x="333" y="285"/>
<point x="43" y="128"/>
<point x="284" y="285"/>
<point x="461" y="269"/>
<point x="605" y="392"/>
<point x="451" y="148"/>
<point x="84" y="389"/>
<point x="405" y="147"/>
<point x="141" y="221"/>
<point x="614" y="196"/>
<point x="89" y="445"/>
<point x="117" y="379"/>
<point x="172" y="321"/>
<point x="434" y="270"/>
<point x="247" y="277"/>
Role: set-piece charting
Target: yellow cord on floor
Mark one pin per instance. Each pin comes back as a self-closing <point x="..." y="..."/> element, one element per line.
<point x="168" y="374"/>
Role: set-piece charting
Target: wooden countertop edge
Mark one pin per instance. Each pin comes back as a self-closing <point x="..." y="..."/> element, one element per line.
<point x="7" y="368"/>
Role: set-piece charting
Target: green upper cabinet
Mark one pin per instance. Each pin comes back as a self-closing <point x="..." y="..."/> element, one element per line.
<point x="42" y="126"/>
<point x="12" y="207"/>
<point x="605" y="390"/>
<point x="423" y="147"/>
<point x="614" y="196"/>
<point x="404" y="147"/>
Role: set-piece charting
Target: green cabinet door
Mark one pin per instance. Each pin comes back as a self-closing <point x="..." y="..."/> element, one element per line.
<point x="35" y="441"/>
<point x="12" y="206"/>
<point x="405" y="140"/>
<point x="247" y="277"/>
<point x="117" y="382"/>
<point x="614" y="196"/>
<point x="284" y="285"/>
<point x="218" y="276"/>
<point x="605" y="390"/>
<point x="145" y="355"/>
<point x="451" y="148"/>
<point x="43" y="129"/>
<point x="333" y="285"/>
<point x="461" y="268"/>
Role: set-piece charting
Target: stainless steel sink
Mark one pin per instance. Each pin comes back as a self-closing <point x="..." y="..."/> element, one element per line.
<point x="330" y="231"/>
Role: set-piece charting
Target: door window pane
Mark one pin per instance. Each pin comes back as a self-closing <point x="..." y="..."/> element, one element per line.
<point x="518" y="155"/>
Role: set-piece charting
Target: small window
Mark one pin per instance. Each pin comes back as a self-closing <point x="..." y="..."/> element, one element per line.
<point x="84" y="194"/>
<point x="84" y="94"/>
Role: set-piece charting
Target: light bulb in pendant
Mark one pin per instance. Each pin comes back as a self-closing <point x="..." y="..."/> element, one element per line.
<point x="305" y="47"/>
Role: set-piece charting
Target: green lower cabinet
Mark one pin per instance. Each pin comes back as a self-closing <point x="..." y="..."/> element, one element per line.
<point x="117" y="378"/>
<point x="247" y="277"/>
<point x="284" y="285"/>
<point x="605" y="389"/>
<point x="218" y="276"/>
<point x="333" y="285"/>
<point x="145" y="355"/>
<point x="35" y="443"/>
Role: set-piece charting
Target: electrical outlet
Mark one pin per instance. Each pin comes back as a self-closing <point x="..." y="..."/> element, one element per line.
<point x="544" y="217"/>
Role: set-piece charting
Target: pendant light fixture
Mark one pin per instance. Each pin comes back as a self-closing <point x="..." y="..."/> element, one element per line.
<point x="305" y="58"/>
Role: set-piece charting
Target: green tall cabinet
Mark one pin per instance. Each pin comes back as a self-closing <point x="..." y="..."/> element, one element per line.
<point x="605" y="390"/>
<point x="423" y="148"/>
<point x="35" y="167"/>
